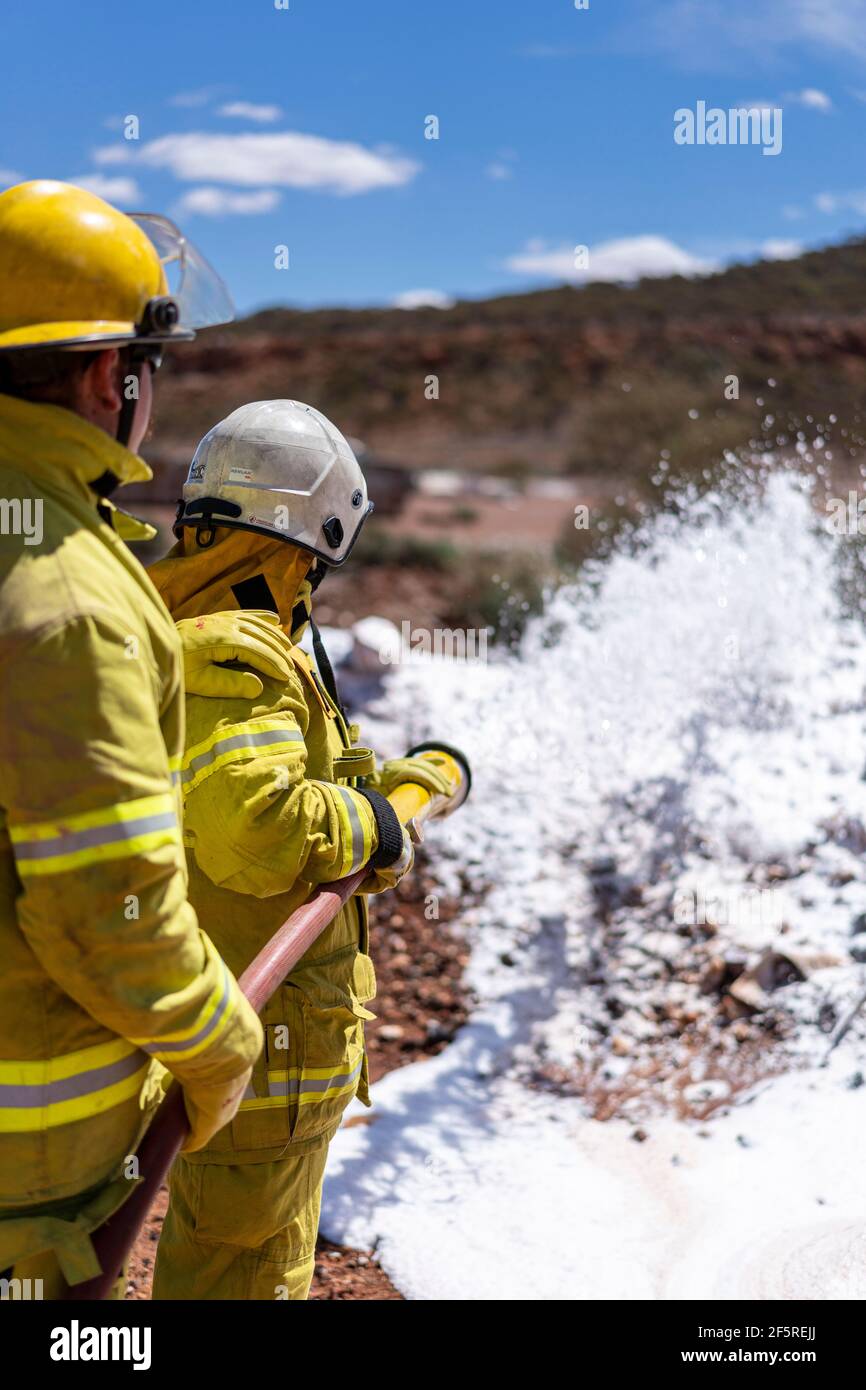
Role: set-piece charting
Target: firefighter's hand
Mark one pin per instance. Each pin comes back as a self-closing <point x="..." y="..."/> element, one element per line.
<point x="248" y="636"/>
<point x="396" y="771"/>
<point x="379" y="880"/>
<point x="209" y="1108"/>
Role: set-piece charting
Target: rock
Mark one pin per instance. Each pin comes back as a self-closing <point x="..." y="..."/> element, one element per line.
<point x="601" y="867"/>
<point x="719" y="972"/>
<point x="858" y="947"/>
<point x="714" y="975"/>
<point x="748" y="992"/>
<point x="827" y="1018"/>
<point x="774" y="970"/>
<point x="390" y="1032"/>
<point x="377" y="645"/>
<point x="702" y="1092"/>
<point x="841" y="878"/>
<point x="621" y="1045"/>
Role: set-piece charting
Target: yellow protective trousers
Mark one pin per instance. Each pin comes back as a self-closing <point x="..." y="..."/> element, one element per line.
<point x="241" y="1230"/>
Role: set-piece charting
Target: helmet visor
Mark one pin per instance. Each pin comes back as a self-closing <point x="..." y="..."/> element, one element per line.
<point x="201" y="295"/>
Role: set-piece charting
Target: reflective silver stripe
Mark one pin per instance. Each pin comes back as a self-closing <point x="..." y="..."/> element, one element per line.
<point x="71" y="1087"/>
<point x="357" y="829"/>
<point x="236" y="741"/>
<point x="294" y="1087"/>
<point x="75" y="840"/>
<point x="161" y="1049"/>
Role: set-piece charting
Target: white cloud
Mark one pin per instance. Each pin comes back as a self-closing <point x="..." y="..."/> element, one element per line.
<point x="286" y="160"/>
<point x="223" y="202"/>
<point x="780" y="249"/>
<point x="626" y="259"/>
<point x="249" y="111"/>
<point x="113" y="190"/>
<point x="811" y="98"/>
<point x="792" y="213"/>
<point x="832" y="203"/>
<point x="422" y="299"/>
<point x="502" y="166"/>
<point x="8" y="178"/>
<point x="202" y="97"/>
<point x="706" y="33"/>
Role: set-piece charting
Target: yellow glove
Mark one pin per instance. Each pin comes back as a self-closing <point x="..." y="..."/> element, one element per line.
<point x="209" y="1107"/>
<point x="252" y="637"/>
<point x="396" y="771"/>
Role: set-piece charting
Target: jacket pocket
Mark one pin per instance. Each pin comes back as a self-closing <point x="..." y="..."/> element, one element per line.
<point x="330" y="998"/>
<point x="313" y="1060"/>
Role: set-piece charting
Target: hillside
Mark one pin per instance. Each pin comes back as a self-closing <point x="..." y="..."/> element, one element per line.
<point x="571" y="396"/>
<point x="581" y="381"/>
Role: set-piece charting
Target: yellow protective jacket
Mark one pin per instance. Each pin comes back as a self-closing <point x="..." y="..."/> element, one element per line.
<point x="269" y="813"/>
<point x="103" y="969"/>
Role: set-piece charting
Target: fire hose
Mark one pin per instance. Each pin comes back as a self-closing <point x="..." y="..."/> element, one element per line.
<point x="160" y="1145"/>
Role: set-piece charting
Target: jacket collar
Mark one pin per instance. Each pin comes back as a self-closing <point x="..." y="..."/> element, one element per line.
<point x="193" y="580"/>
<point x="50" y="442"/>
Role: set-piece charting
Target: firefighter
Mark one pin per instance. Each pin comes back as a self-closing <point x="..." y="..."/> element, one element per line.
<point x="107" y="979"/>
<point x="278" y="798"/>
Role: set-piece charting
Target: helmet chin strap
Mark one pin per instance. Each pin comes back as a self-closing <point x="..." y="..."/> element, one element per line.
<point x="108" y="481"/>
<point x="130" y="401"/>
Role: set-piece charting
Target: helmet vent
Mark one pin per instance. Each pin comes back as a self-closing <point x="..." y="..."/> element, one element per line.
<point x="333" y="531"/>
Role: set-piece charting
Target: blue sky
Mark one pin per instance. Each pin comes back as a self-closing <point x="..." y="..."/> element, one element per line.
<point x="305" y="127"/>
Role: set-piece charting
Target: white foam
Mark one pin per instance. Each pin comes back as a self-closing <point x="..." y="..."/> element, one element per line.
<point x="693" y="711"/>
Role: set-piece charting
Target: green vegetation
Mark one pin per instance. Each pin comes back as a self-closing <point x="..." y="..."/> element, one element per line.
<point x="384" y="545"/>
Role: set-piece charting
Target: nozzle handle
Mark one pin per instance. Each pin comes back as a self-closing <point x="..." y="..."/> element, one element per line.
<point x="460" y="759"/>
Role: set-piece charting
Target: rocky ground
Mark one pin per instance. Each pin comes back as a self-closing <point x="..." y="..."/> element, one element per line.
<point x="419" y="1006"/>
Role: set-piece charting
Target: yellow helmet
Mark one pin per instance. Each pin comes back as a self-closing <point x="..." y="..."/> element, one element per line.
<point x="76" y="273"/>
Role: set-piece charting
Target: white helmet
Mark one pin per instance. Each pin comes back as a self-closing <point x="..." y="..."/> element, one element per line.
<point x="279" y="468"/>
